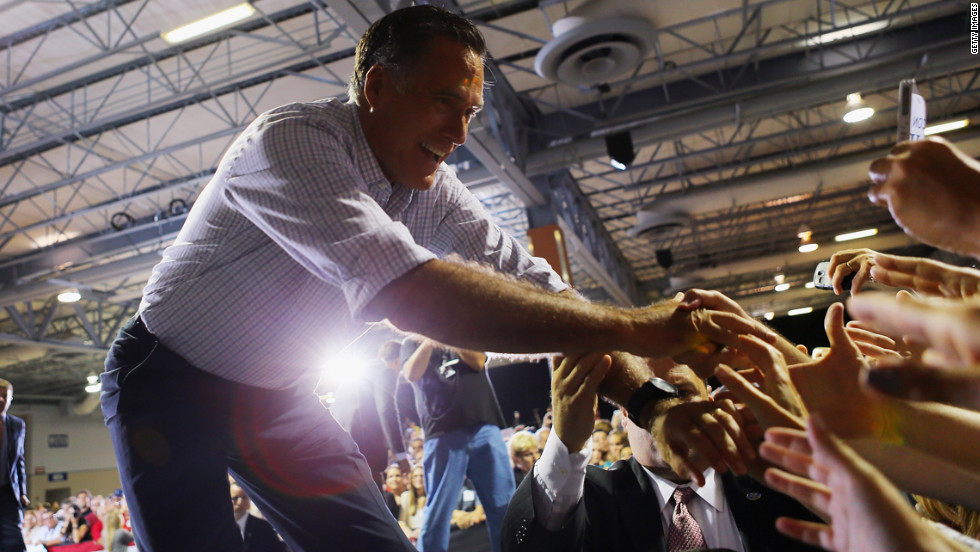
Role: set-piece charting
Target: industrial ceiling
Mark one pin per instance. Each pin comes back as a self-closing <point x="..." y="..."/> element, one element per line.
<point x="731" y="108"/>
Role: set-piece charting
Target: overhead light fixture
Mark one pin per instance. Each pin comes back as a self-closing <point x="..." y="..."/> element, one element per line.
<point x="92" y="378"/>
<point x="209" y="23"/>
<point x="782" y="287"/>
<point x="619" y="146"/>
<point x="69" y="296"/>
<point x="93" y="388"/>
<point x="851" y="32"/>
<point x="856" y="235"/>
<point x="797" y="312"/>
<point x="806" y="240"/>
<point x="857" y="109"/>
<point x="769" y="315"/>
<point x="946" y="127"/>
<point x="809" y="285"/>
<point x="779" y="278"/>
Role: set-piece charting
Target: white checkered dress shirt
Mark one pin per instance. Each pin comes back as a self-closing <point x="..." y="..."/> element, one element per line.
<point x="293" y="237"/>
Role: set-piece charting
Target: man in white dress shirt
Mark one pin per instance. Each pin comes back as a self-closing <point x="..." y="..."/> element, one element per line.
<point x="568" y="505"/>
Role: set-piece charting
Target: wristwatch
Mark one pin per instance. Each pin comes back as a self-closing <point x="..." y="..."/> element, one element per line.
<point x="654" y="390"/>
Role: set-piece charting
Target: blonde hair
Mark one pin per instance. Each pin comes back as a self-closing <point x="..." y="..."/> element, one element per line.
<point x="413" y="505"/>
<point x="522" y="441"/>
<point x="963" y="519"/>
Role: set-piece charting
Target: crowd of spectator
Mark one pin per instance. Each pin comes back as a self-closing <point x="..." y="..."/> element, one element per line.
<point x="83" y="522"/>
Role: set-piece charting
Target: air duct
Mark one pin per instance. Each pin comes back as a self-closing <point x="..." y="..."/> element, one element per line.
<point x="597" y="42"/>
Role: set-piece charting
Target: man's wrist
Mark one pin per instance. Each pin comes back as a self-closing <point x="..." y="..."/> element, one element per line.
<point x="643" y="401"/>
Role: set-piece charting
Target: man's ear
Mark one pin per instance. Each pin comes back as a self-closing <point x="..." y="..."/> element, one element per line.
<point x="377" y="84"/>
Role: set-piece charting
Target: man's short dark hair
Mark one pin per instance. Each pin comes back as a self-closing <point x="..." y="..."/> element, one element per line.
<point x="390" y="351"/>
<point x="397" y="40"/>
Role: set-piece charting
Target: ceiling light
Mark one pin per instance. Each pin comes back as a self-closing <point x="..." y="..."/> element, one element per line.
<point x="93" y="388"/>
<point x="210" y="23"/>
<point x="946" y="127"/>
<point x="92" y="378"/>
<point x="856" y="235"/>
<point x="619" y="146"/>
<point x="779" y="278"/>
<point x="769" y="315"/>
<point x="69" y="296"/>
<point x="809" y="285"/>
<point x="806" y="239"/>
<point x="857" y="109"/>
<point x="782" y="287"/>
<point x="847" y="33"/>
<point x="797" y="312"/>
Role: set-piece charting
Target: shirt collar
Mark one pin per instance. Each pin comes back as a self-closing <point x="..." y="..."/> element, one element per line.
<point x="393" y="198"/>
<point x="712" y="492"/>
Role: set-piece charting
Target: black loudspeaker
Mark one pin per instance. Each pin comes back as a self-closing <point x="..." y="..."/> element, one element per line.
<point x="665" y="258"/>
<point x="620" y="148"/>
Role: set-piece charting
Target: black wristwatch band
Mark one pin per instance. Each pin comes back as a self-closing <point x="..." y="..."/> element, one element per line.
<point x="654" y="390"/>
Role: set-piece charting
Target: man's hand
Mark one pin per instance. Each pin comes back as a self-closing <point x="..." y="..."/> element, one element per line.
<point x="858" y="262"/>
<point x="716" y="301"/>
<point x="830" y="386"/>
<point x="918" y="382"/>
<point x="24" y="501"/>
<point x="695" y="436"/>
<point x="926" y="276"/>
<point x="948" y="327"/>
<point x="865" y="511"/>
<point x="932" y="190"/>
<point x="574" y="395"/>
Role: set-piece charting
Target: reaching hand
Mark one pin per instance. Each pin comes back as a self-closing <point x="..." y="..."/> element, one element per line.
<point x="693" y="436"/>
<point x="776" y="380"/>
<point x="865" y="511"/>
<point x="918" y="382"/>
<point x="950" y="327"/>
<point x="858" y="262"/>
<point x="926" y="276"/>
<point x="575" y="392"/>
<point x="831" y="386"/>
<point x="932" y="190"/>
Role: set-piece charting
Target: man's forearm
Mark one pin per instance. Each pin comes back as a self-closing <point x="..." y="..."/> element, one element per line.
<point x="466" y="308"/>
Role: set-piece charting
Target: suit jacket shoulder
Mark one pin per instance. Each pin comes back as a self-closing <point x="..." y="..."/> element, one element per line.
<point x="261" y="537"/>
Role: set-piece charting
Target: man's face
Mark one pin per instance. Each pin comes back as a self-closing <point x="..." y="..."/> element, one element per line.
<point x="239" y="502"/>
<point x="6" y="395"/>
<point x="414" y="123"/>
<point x="82" y="500"/>
<point x="48" y="519"/>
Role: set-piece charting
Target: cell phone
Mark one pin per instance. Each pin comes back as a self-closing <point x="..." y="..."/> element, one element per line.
<point x="821" y="280"/>
<point x="911" y="112"/>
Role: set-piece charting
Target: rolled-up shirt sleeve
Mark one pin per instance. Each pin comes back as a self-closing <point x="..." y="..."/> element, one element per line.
<point x="468" y="229"/>
<point x="559" y="480"/>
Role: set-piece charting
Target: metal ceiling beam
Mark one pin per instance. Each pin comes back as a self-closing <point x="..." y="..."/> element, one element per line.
<point x="946" y="52"/>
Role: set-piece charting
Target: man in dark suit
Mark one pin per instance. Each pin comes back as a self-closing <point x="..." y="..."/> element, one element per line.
<point x="258" y="533"/>
<point x="633" y="506"/>
<point x="13" y="474"/>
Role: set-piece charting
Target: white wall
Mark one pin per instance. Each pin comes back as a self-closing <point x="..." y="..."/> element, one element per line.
<point x="89" y="446"/>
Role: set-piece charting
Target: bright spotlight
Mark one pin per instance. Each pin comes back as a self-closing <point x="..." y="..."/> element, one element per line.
<point x="341" y="368"/>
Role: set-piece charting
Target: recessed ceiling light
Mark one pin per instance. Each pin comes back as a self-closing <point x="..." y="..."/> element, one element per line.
<point x="808" y="247"/>
<point x="69" y="296"/>
<point x="797" y="312"/>
<point x="209" y="23"/>
<point x="847" y="33"/>
<point x="782" y="287"/>
<point x="946" y="127"/>
<point x="856" y="235"/>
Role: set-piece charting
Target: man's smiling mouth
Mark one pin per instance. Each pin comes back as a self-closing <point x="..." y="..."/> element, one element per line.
<point x="436" y="154"/>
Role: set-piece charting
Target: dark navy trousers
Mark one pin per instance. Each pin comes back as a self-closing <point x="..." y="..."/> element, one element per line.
<point x="178" y="431"/>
